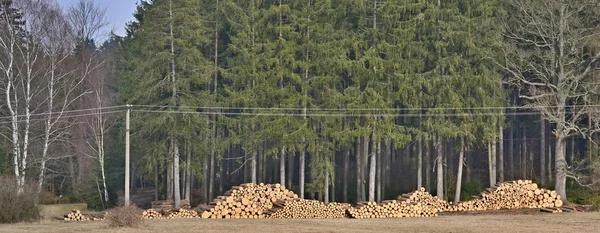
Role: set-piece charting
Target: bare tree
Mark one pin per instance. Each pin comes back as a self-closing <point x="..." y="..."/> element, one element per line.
<point x="552" y="54"/>
<point x="87" y="19"/>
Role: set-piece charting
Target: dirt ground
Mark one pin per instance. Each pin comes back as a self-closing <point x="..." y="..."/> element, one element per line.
<point x="564" y="222"/>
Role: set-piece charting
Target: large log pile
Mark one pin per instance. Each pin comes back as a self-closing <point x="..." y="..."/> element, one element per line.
<point x="512" y="195"/>
<point x="307" y="209"/>
<point x="247" y="201"/>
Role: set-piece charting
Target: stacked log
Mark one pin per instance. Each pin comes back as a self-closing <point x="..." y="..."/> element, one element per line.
<point x="247" y="201"/>
<point x="77" y="215"/>
<point x="392" y="209"/>
<point x="183" y="213"/>
<point x="168" y="205"/>
<point x="307" y="209"/>
<point x="151" y="214"/>
<point x="512" y="195"/>
<point x="424" y="198"/>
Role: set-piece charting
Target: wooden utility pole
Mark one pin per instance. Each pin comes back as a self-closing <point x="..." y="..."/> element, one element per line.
<point x="127" y="201"/>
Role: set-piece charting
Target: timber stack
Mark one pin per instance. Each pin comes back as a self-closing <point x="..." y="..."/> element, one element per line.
<point x="77" y="215"/>
<point x="247" y="201"/>
<point x="169" y="205"/>
<point x="151" y="214"/>
<point x="512" y="195"/>
<point x="182" y="213"/>
<point x="392" y="209"/>
<point x="307" y="209"/>
<point x="424" y="198"/>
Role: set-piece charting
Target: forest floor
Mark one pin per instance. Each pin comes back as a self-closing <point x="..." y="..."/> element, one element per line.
<point x="488" y="223"/>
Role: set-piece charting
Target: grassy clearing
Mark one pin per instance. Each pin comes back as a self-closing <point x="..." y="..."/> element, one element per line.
<point x="501" y="223"/>
<point x="58" y="210"/>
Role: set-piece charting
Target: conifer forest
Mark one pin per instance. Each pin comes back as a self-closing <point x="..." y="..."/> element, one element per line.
<point x="337" y="100"/>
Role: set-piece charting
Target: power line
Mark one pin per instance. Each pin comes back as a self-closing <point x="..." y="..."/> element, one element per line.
<point x="67" y="116"/>
<point x="63" y="112"/>
<point x="343" y="114"/>
<point x="361" y="109"/>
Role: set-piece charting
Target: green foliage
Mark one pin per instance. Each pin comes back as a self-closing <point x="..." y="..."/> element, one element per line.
<point x="94" y="198"/>
<point x="291" y="55"/>
<point x="473" y="188"/>
<point x="17" y="207"/>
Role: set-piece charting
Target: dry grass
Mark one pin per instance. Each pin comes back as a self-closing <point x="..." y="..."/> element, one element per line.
<point x="566" y="222"/>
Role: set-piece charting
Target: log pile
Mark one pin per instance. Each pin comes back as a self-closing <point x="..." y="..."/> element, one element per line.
<point x="392" y="209"/>
<point x="183" y="213"/>
<point x="512" y="195"/>
<point x="247" y="201"/>
<point x="77" y="215"/>
<point x="307" y="209"/>
<point x="424" y="198"/>
<point x="168" y="205"/>
<point x="151" y="214"/>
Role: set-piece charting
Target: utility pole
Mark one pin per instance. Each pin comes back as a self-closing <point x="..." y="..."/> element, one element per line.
<point x="127" y="201"/>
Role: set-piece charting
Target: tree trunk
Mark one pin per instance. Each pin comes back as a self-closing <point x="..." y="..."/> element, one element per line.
<point x="290" y="171"/>
<point x="461" y="156"/>
<point x="420" y="165"/>
<point x="253" y="165"/>
<point x="511" y="153"/>
<point x="345" y="184"/>
<point x="155" y="180"/>
<point x="372" y="169"/>
<point x="282" y="167"/>
<point x="561" y="165"/>
<point x="170" y="174"/>
<point x="440" y="168"/>
<point x="188" y="172"/>
<point x="211" y="175"/>
<point x="302" y="162"/>
<point x="543" y="150"/>
<point x="428" y="165"/>
<point x="176" y="171"/>
<point x="550" y="161"/>
<point x="494" y="164"/>
<point x="378" y="159"/>
<point x="326" y="191"/>
<point x="365" y="168"/>
<point x="501" y="153"/>
<point x="490" y="165"/>
<point x="358" y="152"/>
<point x="524" y="155"/>
<point x="205" y="179"/>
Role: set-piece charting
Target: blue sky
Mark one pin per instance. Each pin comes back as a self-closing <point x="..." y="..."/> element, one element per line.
<point x="118" y="12"/>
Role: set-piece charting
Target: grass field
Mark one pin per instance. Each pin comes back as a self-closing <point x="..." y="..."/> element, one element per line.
<point x="504" y="223"/>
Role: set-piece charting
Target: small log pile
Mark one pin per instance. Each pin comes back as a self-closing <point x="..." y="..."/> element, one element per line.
<point x="424" y="198"/>
<point x="247" y="201"/>
<point x="512" y="195"/>
<point x="169" y="205"/>
<point x="151" y="214"/>
<point x="183" y="213"/>
<point x="307" y="209"/>
<point x="77" y="215"/>
<point x="392" y="209"/>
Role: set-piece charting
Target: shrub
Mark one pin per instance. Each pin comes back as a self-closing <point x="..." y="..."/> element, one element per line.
<point x="125" y="216"/>
<point x="17" y="207"/>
